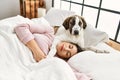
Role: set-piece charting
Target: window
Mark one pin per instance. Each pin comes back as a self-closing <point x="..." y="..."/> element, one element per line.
<point x="90" y="15"/>
<point x="92" y="2"/>
<point x="66" y="7"/>
<point x="111" y="4"/>
<point x="102" y="14"/>
<point x="76" y="8"/>
<point x="108" y="22"/>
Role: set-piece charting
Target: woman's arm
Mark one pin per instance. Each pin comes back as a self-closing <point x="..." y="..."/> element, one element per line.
<point x="27" y="34"/>
<point x="37" y="52"/>
<point x="25" y="31"/>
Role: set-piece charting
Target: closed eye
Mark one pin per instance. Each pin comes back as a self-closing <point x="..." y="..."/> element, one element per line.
<point x="70" y="46"/>
<point x="68" y="54"/>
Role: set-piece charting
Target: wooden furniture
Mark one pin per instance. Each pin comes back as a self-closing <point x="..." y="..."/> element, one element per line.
<point x="29" y="8"/>
<point x="115" y="45"/>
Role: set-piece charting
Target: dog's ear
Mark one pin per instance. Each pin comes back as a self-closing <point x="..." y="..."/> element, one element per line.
<point x="66" y="23"/>
<point x="84" y="22"/>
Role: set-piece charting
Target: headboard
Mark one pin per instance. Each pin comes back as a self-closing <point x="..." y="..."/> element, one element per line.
<point x="29" y="8"/>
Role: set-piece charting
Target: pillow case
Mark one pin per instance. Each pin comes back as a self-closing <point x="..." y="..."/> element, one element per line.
<point x="93" y="36"/>
<point x="89" y="61"/>
<point x="40" y="20"/>
<point x="56" y="16"/>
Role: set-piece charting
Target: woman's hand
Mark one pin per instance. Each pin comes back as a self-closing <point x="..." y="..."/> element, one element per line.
<point x="38" y="56"/>
<point x="37" y="52"/>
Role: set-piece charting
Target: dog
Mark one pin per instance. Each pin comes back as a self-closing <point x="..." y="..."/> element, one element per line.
<point x="72" y="30"/>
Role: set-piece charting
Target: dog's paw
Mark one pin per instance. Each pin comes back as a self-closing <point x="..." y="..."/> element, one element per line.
<point x="105" y="51"/>
<point x="102" y="51"/>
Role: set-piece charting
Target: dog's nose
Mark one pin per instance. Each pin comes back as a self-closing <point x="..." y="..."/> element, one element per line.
<point x="76" y="32"/>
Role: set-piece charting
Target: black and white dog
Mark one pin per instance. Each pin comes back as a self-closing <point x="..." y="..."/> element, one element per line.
<point x="72" y="31"/>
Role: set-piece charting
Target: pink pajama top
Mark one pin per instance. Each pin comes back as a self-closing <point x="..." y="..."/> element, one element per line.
<point x="43" y="35"/>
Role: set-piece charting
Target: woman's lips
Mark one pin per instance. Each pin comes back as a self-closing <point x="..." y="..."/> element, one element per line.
<point x="62" y="47"/>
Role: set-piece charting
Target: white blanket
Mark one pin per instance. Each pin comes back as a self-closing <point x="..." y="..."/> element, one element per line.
<point x="17" y="63"/>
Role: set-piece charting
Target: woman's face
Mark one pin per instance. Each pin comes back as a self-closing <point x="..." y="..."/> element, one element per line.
<point x="66" y="49"/>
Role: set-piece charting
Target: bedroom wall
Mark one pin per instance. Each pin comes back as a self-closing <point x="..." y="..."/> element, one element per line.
<point x="9" y="8"/>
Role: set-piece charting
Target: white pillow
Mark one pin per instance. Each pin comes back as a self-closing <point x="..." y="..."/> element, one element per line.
<point x="40" y="20"/>
<point x="93" y="36"/>
<point x="89" y="62"/>
<point x="56" y="16"/>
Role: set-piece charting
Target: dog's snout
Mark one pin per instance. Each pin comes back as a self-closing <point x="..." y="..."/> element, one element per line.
<point x="76" y="32"/>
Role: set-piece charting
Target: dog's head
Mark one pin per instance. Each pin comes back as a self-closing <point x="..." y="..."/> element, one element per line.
<point x="74" y="24"/>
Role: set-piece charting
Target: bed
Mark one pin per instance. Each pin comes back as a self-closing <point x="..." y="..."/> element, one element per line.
<point x="17" y="63"/>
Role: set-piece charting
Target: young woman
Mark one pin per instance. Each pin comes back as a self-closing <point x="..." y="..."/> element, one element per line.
<point x="39" y="38"/>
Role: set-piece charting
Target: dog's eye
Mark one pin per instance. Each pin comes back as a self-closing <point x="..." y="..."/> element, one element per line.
<point x="72" y="22"/>
<point x="80" y="23"/>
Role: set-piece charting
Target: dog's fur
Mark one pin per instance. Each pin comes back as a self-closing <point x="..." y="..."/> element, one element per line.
<point x="72" y="31"/>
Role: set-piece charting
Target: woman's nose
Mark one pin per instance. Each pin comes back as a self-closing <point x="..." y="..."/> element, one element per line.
<point x="66" y="48"/>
